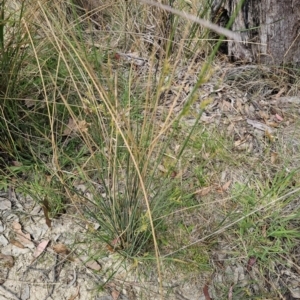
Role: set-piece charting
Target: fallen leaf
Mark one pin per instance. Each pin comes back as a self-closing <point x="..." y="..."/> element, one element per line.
<point x="61" y="249"/>
<point x="74" y="126"/>
<point x="226" y="186"/>
<point x="204" y="191"/>
<point x="274" y="157"/>
<point x="132" y="57"/>
<point x="259" y="125"/>
<point x="17" y="244"/>
<point x="263" y="115"/>
<point x="6" y="261"/>
<point x="240" y="142"/>
<point x="70" y="127"/>
<point x="40" y="248"/>
<point x="281" y="91"/>
<point x="17" y="163"/>
<point x="272" y="124"/>
<point x="115" y="294"/>
<point x="92" y="264"/>
<point x="23" y="238"/>
<point x="251" y="262"/>
<point x="278" y="117"/>
<point x="110" y="248"/>
<point x="206" y="293"/>
<point x="162" y="168"/>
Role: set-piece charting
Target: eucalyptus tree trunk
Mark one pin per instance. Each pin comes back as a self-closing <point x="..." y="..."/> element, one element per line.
<point x="269" y="29"/>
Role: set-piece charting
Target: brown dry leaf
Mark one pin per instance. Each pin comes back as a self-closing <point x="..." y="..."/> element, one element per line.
<point x="226" y="186"/>
<point x="93" y="265"/>
<point x="61" y="249"/>
<point x="114" y="245"/>
<point x="263" y="115"/>
<point x="274" y="157"/>
<point x="272" y="124"/>
<point x="133" y="57"/>
<point x="282" y="90"/>
<point x="238" y="143"/>
<point x="205" y="155"/>
<point x="110" y="248"/>
<point x="162" y="168"/>
<point x="259" y="125"/>
<point x="115" y="294"/>
<point x="40" y="248"/>
<point x="76" y="295"/>
<point x="70" y="127"/>
<point x="17" y="244"/>
<point x="23" y="238"/>
<point x="73" y="126"/>
<point x="206" y="293"/>
<point x="180" y="174"/>
<point x="6" y="261"/>
<point x="226" y="106"/>
<point x="17" y="163"/>
<point x="204" y="191"/>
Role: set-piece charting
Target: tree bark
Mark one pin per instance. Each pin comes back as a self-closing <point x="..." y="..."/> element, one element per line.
<point x="269" y="29"/>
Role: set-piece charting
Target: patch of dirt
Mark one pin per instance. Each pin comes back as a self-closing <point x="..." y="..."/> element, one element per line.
<point x="38" y="262"/>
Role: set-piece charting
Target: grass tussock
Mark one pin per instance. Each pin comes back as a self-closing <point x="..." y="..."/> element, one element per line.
<point x="100" y="111"/>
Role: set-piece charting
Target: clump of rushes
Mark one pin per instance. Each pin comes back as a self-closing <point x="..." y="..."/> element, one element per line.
<point x="96" y="111"/>
<point x="12" y="54"/>
<point x="95" y="121"/>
